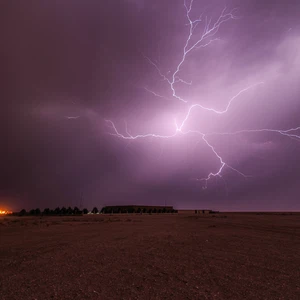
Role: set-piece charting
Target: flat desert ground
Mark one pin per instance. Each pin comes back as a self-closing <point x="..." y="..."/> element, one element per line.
<point x="180" y="256"/>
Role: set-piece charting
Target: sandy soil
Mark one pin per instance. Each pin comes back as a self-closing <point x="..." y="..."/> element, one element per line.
<point x="184" y="256"/>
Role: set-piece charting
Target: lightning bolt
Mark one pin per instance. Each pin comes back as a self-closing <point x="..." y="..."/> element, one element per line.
<point x="292" y="133"/>
<point x="219" y="112"/>
<point x="72" y="117"/>
<point x="207" y="37"/>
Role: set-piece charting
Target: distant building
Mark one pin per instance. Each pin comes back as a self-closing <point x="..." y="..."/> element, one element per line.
<point x="205" y="211"/>
<point x="117" y="209"/>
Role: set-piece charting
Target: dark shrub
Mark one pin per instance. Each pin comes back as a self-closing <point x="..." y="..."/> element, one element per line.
<point x="76" y="211"/>
<point x="57" y="211"/>
<point x="46" y="212"/>
<point x="63" y="211"/>
<point x="22" y="212"/>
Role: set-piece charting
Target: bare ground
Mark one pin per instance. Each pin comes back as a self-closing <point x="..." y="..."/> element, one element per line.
<point x="184" y="256"/>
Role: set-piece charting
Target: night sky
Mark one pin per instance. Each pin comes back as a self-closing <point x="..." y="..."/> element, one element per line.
<point x="67" y="66"/>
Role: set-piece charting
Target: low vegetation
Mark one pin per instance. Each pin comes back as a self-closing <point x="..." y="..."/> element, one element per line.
<point x="78" y="212"/>
<point x="52" y="212"/>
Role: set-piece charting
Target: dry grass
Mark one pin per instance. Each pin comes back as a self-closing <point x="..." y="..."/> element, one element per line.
<point x="184" y="256"/>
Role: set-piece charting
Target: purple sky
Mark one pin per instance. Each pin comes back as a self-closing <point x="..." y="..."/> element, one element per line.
<point x="91" y="61"/>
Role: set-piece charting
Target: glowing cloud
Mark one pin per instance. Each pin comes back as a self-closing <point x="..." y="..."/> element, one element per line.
<point x="196" y="39"/>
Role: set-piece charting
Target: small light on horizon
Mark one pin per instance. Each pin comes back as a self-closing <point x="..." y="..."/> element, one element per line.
<point x="4" y="212"/>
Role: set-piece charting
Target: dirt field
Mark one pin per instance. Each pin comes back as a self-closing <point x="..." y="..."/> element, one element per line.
<point x="184" y="256"/>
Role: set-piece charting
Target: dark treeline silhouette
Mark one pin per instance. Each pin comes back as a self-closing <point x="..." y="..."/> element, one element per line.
<point x="138" y="210"/>
<point x="55" y="212"/>
<point x="105" y="210"/>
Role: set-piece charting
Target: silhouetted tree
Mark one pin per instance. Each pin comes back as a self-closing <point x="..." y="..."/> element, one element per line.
<point x="144" y="210"/>
<point x="95" y="210"/>
<point x="46" y="212"/>
<point x="22" y="212"/>
<point x="70" y="211"/>
<point x="85" y="211"/>
<point x="164" y="210"/>
<point x="32" y="212"/>
<point x="155" y="210"/>
<point x="57" y="211"/>
<point x="37" y="211"/>
<point x="63" y="211"/>
<point x="76" y="211"/>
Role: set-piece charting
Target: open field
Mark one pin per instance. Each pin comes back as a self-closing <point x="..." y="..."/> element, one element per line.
<point x="184" y="256"/>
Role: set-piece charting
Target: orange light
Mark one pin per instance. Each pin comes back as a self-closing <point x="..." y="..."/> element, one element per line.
<point x="4" y="212"/>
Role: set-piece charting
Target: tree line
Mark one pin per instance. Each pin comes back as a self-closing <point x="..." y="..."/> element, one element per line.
<point x="139" y="210"/>
<point x="56" y="212"/>
<point x="76" y="211"/>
